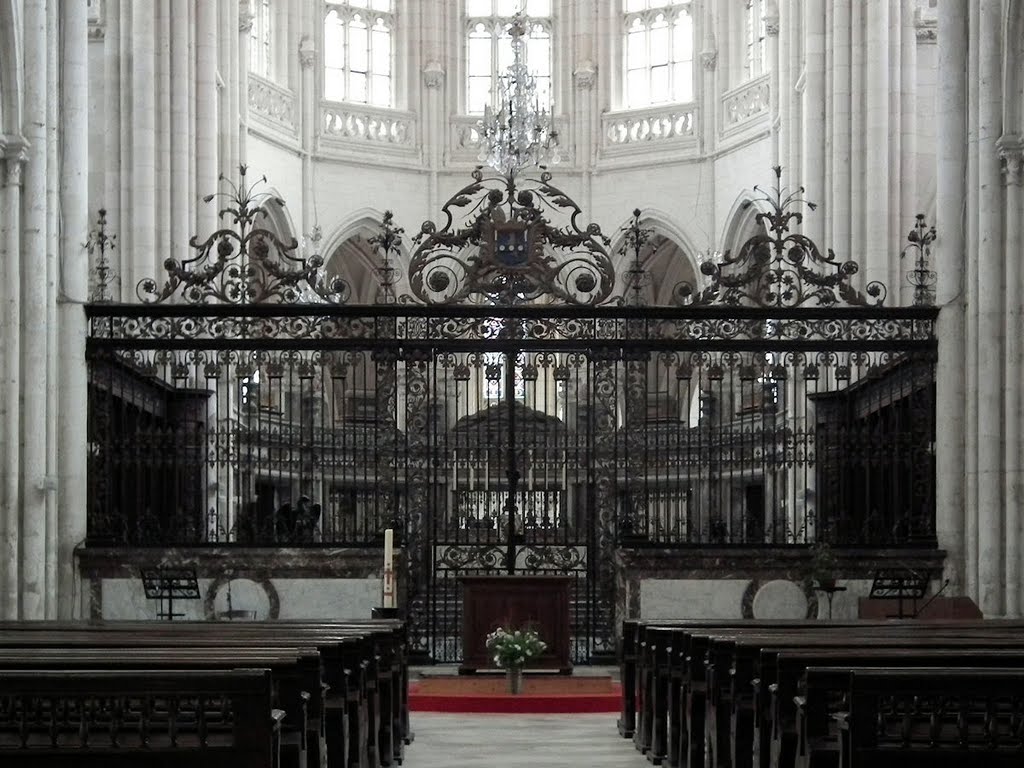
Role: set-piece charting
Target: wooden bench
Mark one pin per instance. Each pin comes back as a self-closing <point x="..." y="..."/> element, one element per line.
<point x="136" y="719"/>
<point x="826" y="695"/>
<point x="698" y="699"/>
<point x="935" y="717"/>
<point x="363" y="665"/>
<point x="293" y="675"/>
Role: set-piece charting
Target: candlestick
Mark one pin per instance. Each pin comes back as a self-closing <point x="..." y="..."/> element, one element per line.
<point x="389" y="568"/>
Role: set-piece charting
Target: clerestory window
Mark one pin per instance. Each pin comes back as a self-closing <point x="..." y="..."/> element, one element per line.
<point x="358" y="51"/>
<point x="658" y="52"/>
<point x="755" y="34"/>
<point x="489" y="48"/>
<point x="259" y="39"/>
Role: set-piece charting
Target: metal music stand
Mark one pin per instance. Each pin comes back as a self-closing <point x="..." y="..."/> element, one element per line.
<point x="900" y="584"/>
<point x="170" y="584"/>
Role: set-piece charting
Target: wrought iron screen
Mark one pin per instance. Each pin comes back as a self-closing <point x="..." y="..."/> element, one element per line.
<point x="512" y="436"/>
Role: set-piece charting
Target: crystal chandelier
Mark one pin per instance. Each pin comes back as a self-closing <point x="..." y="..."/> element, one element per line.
<point x="519" y="132"/>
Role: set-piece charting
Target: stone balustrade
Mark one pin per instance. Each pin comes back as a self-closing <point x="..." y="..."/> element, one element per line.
<point x="272" y="103"/>
<point x="351" y="122"/>
<point x="657" y="125"/>
<point x="746" y="103"/>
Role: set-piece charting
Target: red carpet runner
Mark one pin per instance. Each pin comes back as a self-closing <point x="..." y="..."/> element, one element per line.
<point x="542" y="694"/>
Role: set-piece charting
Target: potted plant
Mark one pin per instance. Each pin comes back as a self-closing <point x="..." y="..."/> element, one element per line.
<point x="822" y="566"/>
<point x="511" y="650"/>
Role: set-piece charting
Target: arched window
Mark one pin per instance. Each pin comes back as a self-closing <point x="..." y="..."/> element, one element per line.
<point x="259" y="39"/>
<point x="489" y="48"/>
<point x="358" y="43"/>
<point x="658" y="52"/>
<point x="755" y="33"/>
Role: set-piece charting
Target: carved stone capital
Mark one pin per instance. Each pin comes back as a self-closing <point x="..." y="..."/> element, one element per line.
<point x="14" y="149"/>
<point x="585" y="75"/>
<point x="307" y="52"/>
<point x="709" y="59"/>
<point x="1011" y="153"/>
<point x="433" y="74"/>
<point x="97" y="31"/>
<point x="245" y="16"/>
<point x="771" y="25"/>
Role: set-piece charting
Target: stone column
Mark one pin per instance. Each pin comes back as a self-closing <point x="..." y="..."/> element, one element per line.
<point x="206" y="115"/>
<point x="279" y="68"/>
<point x="908" y="202"/>
<point x="813" y="134"/>
<point x="969" y="216"/>
<point x="771" y="28"/>
<point x="73" y="392"/>
<point x="433" y="125"/>
<point x="708" y="89"/>
<point x="180" y="213"/>
<point x="841" y="130"/>
<point x="141" y="201"/>
<point x="857" y="218"/>
<point x="989" y="303"/>
<point x="949" y="250"/>
<point x="785" y="84"/>
<point x="308" y="109"/>
<point x="15" y="156"/>
<point x="1011" y="151"/>
<point x="32" y="390"/>
<point x="877" y="176"/>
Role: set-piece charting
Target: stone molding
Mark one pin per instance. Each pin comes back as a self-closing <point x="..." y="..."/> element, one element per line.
<point x="433" y="74"/>
<point x="1011" y="153"/>
<point x="585" y="75"/>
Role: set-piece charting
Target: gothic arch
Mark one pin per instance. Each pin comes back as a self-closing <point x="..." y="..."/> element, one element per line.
<point x="278" y="219"/>
<point x="673" y="259"/>
<point x="348" y="254"/>
<point x="740" y="222"/>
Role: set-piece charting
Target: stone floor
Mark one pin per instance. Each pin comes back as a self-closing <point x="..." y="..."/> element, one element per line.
<point x="518" y="741"/>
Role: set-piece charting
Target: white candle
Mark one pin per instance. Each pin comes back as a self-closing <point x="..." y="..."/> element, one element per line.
<point x="389" y="571"/>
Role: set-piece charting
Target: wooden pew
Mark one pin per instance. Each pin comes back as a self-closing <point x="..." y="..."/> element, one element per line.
<point x="133" y="719"/>
<point x="718" y="706"/>
<point x="294" y="673"/>
<point x="933" y="718"/>
<point x="352" y="652"/>
<point x="825" y="692"/>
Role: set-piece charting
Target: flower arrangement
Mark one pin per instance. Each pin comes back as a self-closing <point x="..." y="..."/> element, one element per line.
<point x="513" y="649"/>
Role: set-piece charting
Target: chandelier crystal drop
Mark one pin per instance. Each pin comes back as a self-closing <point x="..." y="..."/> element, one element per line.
<point x="518" y="132"/>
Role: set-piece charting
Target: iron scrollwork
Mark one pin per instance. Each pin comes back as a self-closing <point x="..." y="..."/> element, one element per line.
<point x="779" y="268"/>
<point x="506" y="252"/>
<point x="244" y="263"/>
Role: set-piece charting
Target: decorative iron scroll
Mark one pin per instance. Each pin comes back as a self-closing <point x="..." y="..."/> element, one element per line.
<point x="506" y="252"/>
<point x="777" y="268"/>
<point x="921" y="276"/>
<point x="247" y="264"/>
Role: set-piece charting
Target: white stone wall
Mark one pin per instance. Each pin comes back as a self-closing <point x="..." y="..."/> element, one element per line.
<point x="142" y="118"/>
